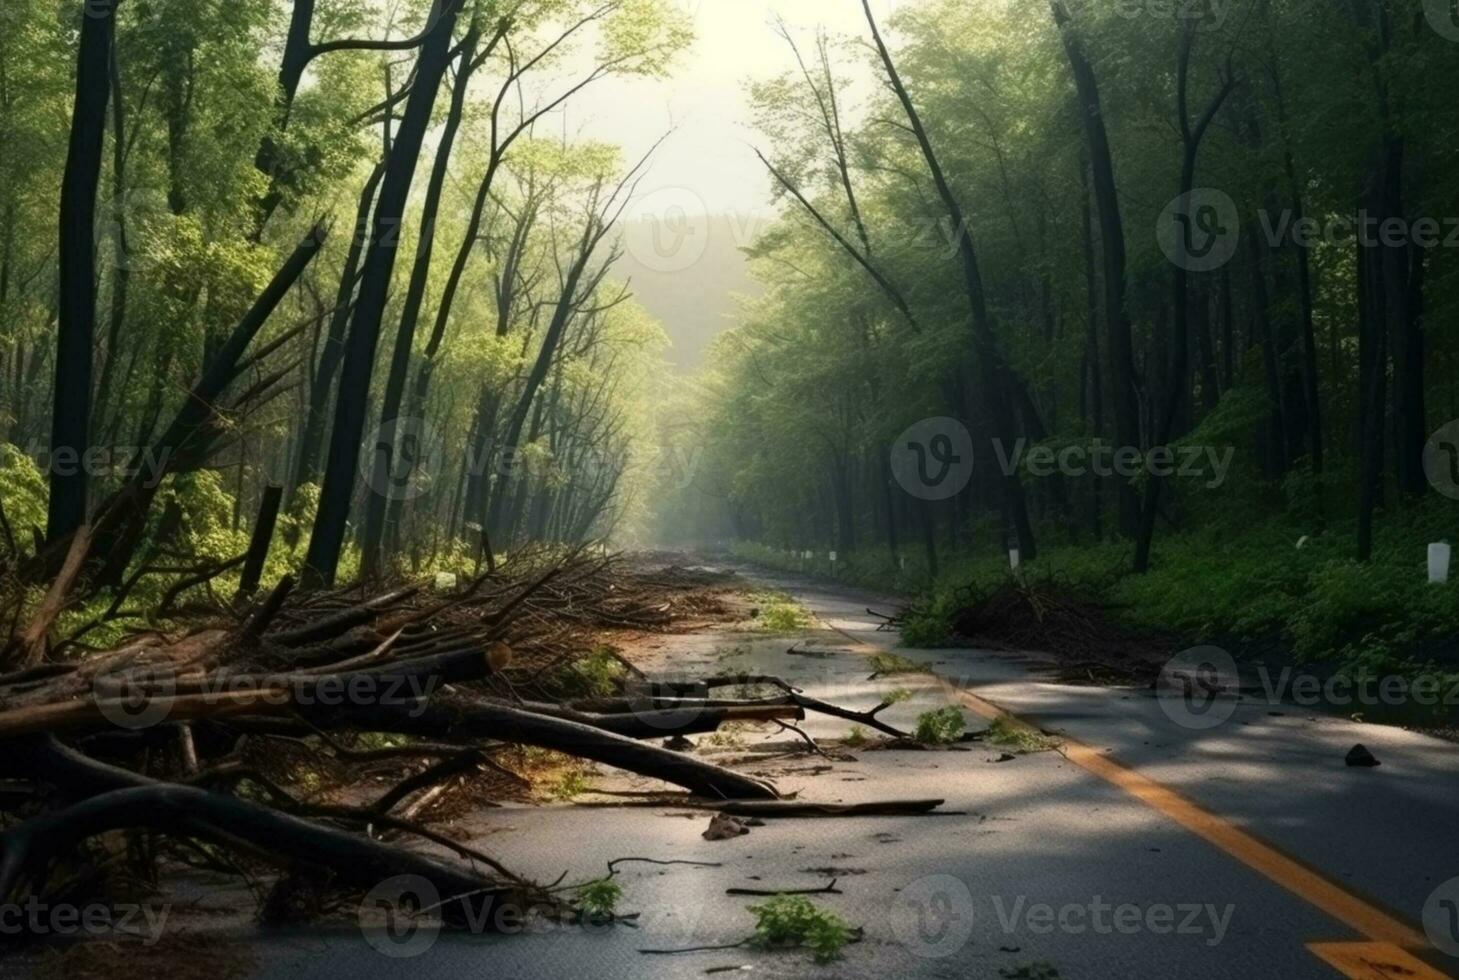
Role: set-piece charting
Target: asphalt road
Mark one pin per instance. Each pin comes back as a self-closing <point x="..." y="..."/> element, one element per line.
<point x="1146" y="846"/>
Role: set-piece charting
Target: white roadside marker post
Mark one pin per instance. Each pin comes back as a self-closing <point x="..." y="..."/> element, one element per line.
<point x="1439" y="554"/>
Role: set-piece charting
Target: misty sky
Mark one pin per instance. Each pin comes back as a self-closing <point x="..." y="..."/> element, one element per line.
<point x="706" y="194"/>
<point x="706" y="100"/>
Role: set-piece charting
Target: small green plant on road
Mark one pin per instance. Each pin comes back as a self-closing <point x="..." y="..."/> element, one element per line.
<point x="941" y="727"/>
<point x="793" y="920"/>
<point x="1012" y="735"/>
<point x="887" y="664"/>
<point x="599" y="899"/>
<point x="777" y="612"/>
<point x="570" y="785"/>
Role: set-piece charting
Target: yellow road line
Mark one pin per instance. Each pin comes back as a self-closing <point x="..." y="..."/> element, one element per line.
<point x="1308" y="884"/>
<point x="1374" y="961"/>
<point x="1381" y="959"/>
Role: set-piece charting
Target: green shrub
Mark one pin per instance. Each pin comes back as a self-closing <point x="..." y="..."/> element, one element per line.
<point x="793" y="920"/>
<point x="598" y="675"/>
<point x="941" y="727"/>
<point x="599" y="899"/>
<point x="570" y="785"/>
<point x="885" y="664"/>
<point x="1008" y="734"/>
<point x="779" y="613"/>
<point x="23" y="488"/>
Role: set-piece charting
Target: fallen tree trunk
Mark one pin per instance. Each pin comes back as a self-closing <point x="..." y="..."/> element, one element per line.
<point x="636" y="719"/>
<point x="268" y="679"/>
<point x="349" y="859"/>
<point x="793" y="695"/>
<point x="29" y="649"/>
<point x="478" y="719"/>
<point x="334" y="625"/>
<point x="803" y="808"/>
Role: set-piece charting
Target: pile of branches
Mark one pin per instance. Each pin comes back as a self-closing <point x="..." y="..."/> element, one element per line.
<point x="161" y="735"/>
<point x="1044" y="616"/>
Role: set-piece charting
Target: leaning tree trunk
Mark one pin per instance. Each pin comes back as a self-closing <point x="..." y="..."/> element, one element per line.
<point x="311" y="437"/>
<point x="566" y="308"/>
<point x="342" y="468"/>
<point x="383" y="461"/>
<point x="992" y="370"/>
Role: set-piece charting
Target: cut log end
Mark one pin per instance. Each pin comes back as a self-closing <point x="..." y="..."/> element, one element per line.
<point x="498" y="656"/>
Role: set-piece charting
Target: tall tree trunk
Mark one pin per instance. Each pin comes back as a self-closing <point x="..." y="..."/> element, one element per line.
<point x="382" y="459"/>
<point x="1228" y="332"/>
<point x="71" y="411"/>
<point x="342" y="467"/>
<point x="1402" y="271"/>
<point x="1306" y="332"/>
<point x="1092" y="374"/>
<point x="572" y="294"/>
<point x="991" y="368"/>
<point x="1275" y="459"/>
<point x="1177" y="381"/>
<point x="121" y="268"/>
<point x="1123" y="391"/>
<point x="311" y="437"/>
<point x="1206" y="351"/>
<point x="1372" y="379"/>
<point x="298" y="52"/>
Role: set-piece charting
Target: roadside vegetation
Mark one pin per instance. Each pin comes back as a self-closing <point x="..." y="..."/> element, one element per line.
<point x="1254" y="588"/>
<point x="966" y="313"/>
